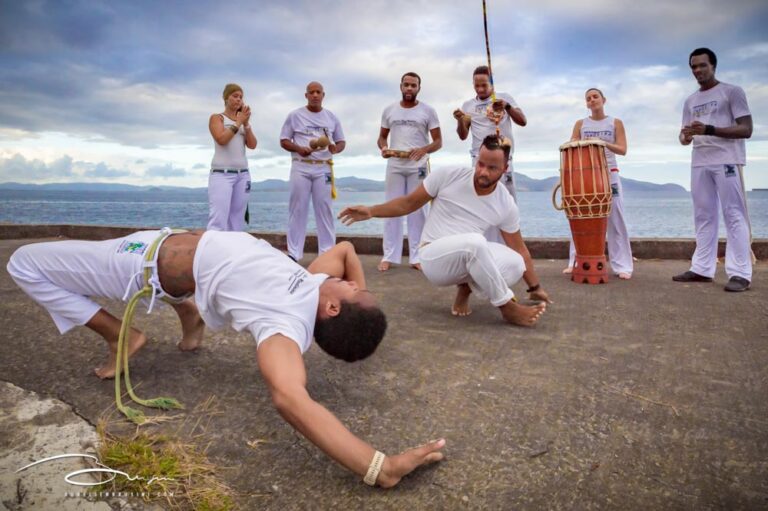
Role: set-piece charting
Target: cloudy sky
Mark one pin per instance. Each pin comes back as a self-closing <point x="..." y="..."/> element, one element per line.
<point x="121" y="91"/>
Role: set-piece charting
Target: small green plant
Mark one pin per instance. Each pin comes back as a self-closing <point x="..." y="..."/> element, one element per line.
<point x="162" y="469"/>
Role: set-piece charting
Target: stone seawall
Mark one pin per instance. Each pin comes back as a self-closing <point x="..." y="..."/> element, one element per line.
<point x="540" y="248"/>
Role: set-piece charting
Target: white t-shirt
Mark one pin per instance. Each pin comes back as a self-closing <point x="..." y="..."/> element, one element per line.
<point x="481" y="126"/>
<point x="719" y="106"/>
<point x="408" y="129"/>
<point x="457" y="209"/>
<point x="245" y="282"/>
<point x="604" y="129"/>
<point x="302" y="125"/>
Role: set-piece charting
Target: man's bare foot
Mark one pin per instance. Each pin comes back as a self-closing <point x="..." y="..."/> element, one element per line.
<point x="624" y="275"/>
<point x="107" y="371"/>
<point x="461" y="303"/>
<point x="522" y="315"/>
<point x="416" y="266"/>
<point x="568" y="270"/>
<point x="384" y="265"/>
<point x="192" y="326"/>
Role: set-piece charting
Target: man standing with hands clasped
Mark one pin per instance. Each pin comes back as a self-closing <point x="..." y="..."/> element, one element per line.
<point x="716" y="119"/>
<point x="408" y="124"/>
<point x="312" y="135"/>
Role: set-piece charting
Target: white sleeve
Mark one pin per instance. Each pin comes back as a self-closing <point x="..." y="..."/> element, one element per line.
<point x="436" y="180"/>
<point x="263" y="332"/>
<point x="385" y="119"/>
<point x="686" y="114"/>
<point x="738" y="100"/>
<point x="433" y="121"/>
<point x="338" y="133"/>
<point x="511" y="222"/>
<point x="286" y="133"/>
<point x="466" y="106"/>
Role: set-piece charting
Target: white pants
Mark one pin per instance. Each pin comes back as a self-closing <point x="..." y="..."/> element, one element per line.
<point x="62" y="275"/>
<point x="713" y="188"/>
<point x="617" y="237"/>
<point x="310" y="181"/>
<point x="227" y="199"/>
<point x="508" y="181"/>
<point x="400" y="183"/>
<point x="489" y="268"/>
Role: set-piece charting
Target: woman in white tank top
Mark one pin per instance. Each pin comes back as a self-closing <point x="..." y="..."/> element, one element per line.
<point x="229" y="182"/>
<point x="611" y="131"/>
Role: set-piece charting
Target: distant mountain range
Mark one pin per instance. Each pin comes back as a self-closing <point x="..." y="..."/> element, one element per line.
<point x="352" y="184"/>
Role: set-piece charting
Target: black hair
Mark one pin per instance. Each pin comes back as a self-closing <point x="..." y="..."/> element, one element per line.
<point x="704" y="51"/>
<point x="353" y="334"/>
<point x="494" y="142"/>
<point x="481" y="70"/>
<point x="412" y="74"/>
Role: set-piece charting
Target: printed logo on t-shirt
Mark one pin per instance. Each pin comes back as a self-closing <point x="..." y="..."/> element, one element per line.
<point x="295" y="280"/>
<point x="405" y="122"/>
<point x="730" y="170"/>
<point x="315" y="131"/>
<point x="132" y="247"/>
<point x="598" y="134"/>
<point x="704" y="109"/>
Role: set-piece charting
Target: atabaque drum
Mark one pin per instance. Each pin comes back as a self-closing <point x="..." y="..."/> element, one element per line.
<point x="586" y="199"/>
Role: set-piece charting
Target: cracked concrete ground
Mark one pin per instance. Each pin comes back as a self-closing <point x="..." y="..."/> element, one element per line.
<point x="644" y="394"/>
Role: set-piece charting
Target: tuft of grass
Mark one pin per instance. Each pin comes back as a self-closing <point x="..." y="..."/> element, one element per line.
<point x="162" y="468"/>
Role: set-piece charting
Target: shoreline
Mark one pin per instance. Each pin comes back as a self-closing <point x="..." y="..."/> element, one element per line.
<point x="540" y="248"/>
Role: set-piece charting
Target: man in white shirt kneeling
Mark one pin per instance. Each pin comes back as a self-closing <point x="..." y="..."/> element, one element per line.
<point x="465" y="203"/>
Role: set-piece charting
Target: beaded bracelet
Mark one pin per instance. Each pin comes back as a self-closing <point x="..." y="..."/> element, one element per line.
<point x="374" y="468"/>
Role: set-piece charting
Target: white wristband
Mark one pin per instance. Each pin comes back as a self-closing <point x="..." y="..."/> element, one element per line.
<point x="374" y="468"/>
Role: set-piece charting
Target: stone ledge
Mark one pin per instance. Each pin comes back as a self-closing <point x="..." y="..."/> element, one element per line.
<point x="540" y="248"/>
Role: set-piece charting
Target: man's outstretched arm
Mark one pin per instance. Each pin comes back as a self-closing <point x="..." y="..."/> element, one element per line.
<point x="340" y="261"/>
<point x="282" y="367"/>
<point x="400" y="206"/>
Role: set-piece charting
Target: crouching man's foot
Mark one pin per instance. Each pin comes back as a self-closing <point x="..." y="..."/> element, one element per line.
<point x="135" y="343"/>
<point x="522" y="315"/>
<point x="461" y="303"/>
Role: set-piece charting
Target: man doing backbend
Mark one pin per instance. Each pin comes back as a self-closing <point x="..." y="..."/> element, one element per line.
<point x="242" y="281"/>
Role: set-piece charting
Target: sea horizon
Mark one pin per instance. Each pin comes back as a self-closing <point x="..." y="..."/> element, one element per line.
<point x="648" y="215"/>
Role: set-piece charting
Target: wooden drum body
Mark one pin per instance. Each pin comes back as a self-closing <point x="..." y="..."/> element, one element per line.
<point x="586" y="199"/>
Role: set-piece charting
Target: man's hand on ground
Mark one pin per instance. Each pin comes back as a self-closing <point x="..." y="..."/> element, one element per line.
<point x="539" y="296"/>
<point x="397" y="467"/>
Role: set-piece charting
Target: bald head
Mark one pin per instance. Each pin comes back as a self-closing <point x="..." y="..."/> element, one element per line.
<point x="314" y="85"/>
<point x="315" y="95"/>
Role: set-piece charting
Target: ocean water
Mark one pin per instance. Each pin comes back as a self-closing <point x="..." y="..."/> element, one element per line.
<point x="647" y="214"/>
